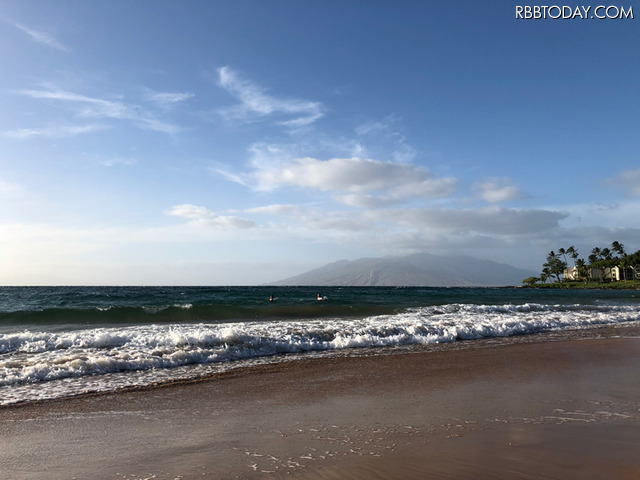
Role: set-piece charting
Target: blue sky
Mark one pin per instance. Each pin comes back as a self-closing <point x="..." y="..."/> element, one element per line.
<point x="242" y="142"/>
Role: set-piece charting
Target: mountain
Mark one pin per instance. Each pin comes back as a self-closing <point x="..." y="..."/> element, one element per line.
<point x="420" y="269"/>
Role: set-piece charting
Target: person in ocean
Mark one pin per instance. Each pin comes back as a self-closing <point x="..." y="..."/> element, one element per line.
<point x="320" y="297"/>
<point x="271" y="299"/>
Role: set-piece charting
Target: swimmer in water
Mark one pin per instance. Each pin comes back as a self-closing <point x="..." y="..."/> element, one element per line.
<point x="320" y="297"/>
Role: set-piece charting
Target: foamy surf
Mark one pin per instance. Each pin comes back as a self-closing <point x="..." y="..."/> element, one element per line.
<point x="50" y="364"/>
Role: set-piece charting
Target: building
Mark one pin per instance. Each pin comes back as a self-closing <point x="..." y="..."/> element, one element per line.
<point x="618" y="273"/>
<point x="614" y="274"/>
<point x="571" y="273"/>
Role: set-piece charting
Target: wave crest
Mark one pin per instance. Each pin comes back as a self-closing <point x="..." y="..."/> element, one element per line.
<point x="33" y="356"/>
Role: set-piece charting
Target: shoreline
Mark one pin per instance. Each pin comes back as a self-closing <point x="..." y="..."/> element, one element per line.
<point x="255" y="364"/>
<point x="573" y="285"/>
<point x="490" y="411"/>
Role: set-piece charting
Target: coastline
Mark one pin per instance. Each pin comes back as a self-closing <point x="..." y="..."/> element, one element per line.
<point x="620" y="285"/>
<point x="565" y="408"/>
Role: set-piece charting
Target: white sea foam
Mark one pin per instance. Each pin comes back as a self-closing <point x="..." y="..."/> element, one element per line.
<point x="99" y="356"/>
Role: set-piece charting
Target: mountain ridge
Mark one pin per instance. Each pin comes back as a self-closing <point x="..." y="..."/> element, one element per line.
<point x="418" y="269"/>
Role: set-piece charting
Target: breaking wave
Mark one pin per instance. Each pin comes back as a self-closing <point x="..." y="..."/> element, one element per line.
<point x="32" y="356"/>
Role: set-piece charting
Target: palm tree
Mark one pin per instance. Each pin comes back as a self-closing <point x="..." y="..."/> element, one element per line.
<point x="619" y="249"/>
<point x="581" y="265"/>
<point x="546" y="273"/>
<point x="563" y="252"/>
<point x="552" y="256"/>
<point x="555" y="265"/>
<point x="634" y="262"/>
<point x="574" y="254"/>
<point x="623" y="264"/>
<point x="602" y="259"/>
<point x="596" y="259"/>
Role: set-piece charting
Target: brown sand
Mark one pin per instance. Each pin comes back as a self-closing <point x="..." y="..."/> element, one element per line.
<point x="563" y="410"/>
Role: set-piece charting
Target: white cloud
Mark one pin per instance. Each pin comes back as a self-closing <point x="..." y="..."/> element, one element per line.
<point x="203" y="217"/>
<point x="255" y="103"/>
<point x="359" y="178"/>
<point x="42" y="37"/>
<point x="193" y="212"/>
<point x="496" y="190"/>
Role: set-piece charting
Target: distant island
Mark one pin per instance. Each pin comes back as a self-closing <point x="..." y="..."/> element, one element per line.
<point x="420" y="269"/>
<point x="605" y="268"/>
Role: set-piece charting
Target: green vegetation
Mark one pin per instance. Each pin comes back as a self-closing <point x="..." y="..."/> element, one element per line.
<point x="623" y="285"/>
<point x="604" y="268"/>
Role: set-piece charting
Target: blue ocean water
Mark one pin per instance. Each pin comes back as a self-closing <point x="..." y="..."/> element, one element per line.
<point x="62" y="341"/>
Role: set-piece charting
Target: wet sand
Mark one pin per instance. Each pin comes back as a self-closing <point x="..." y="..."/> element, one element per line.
<point x="544" y="409"/>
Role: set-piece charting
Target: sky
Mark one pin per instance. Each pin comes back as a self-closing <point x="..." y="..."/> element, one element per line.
<point x="239" y="142"/>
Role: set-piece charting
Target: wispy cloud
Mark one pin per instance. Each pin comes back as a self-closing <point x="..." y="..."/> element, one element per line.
<point x="233" y="177"/>
<point x="203" y="217"/>
<point x="42" y="38"/>
<point x="384" y="136"/>
<point x="55" y="131"/>
<point x="256" y="104"/>
<point x="168" y="100"/>
<point x="91" y="107"/>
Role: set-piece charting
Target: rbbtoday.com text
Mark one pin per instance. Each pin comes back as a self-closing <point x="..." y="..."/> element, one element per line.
<point x="566" y="12"/>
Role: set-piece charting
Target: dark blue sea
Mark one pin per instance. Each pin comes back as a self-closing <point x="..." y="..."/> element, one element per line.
<point x="62" y="341"/>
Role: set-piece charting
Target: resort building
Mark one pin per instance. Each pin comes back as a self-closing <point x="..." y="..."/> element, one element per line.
<point x="571" y="273"/>
<point x="614" y="274"/>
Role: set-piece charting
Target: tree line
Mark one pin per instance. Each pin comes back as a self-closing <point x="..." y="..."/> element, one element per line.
<point x="601" y="260"/>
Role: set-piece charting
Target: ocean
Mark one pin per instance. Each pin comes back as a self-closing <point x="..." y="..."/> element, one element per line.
<point x="57" y="342"/>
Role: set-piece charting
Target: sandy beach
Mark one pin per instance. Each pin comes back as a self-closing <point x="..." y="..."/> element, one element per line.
<point x="536" y="409"/>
